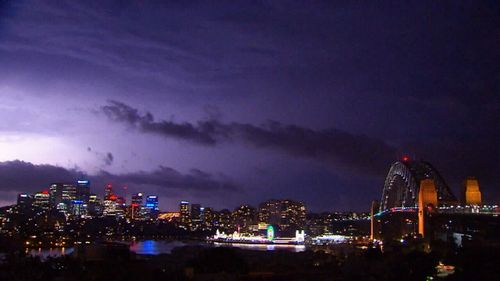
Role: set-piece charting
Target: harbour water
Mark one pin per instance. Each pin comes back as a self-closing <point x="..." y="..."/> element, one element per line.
<point x="157" y="247"/>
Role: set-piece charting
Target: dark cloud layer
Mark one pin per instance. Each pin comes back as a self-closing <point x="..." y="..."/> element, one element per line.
<point x="455" y="156"/>
<point x="23" y="176"/>
<point x="107" y="158"/>
<point x="357" y="152"/>
<point x="416" y="77"/>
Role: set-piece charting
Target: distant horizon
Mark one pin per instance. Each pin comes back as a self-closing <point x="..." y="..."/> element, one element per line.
<point x="121" y="191"/>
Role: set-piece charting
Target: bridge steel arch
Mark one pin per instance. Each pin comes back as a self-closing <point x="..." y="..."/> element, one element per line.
<point x="402" y="185"/>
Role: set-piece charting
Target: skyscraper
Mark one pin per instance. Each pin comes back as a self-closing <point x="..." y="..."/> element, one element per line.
<point x="24" y="200"/>
<point x="152" y="206"/>
<point x="110" y="205"/>
<point x="83" y="191"/>
<point x="185" y="214"/>
<point x="95" y="208"/>
<point x="195" y="216"/>
<point x="55" y="192"/>
<point x="41" y="200"/>
<point x="68" y="192"/>
<point x="136" y="205"/>
<point x="208" y="218"/>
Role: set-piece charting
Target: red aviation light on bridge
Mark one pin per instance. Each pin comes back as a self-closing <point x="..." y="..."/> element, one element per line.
<point x="406" y="158"/>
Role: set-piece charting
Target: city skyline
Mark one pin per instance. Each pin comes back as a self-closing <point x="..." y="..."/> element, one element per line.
<point x="234" y="103"/>
<point x="121" y="193"/>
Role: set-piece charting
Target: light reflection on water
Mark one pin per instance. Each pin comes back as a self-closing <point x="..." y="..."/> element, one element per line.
<point x="264" y="247"/>
<point x="52" y="252"/>
<point x="157" y="247"/>
<point x="154" y="247"/>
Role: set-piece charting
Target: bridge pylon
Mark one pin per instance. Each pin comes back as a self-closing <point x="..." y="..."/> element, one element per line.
<point x="374" y="225"/>
<point x="427" y="200"/>
<point x="471" y="193"/>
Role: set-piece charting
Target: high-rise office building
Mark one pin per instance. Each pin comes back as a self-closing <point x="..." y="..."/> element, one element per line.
<point x="208" y="218"/>
<point x="196" y="213"/>
<point x="136" y="205"/>
<point x="63" y="196"/>
<point x="152" y="206"/>
<point x="55" y="192"/>
<point x="68" y="192"/>
<point x="137" y="199"/>
<point x="185" y="220"/>
<point x="24" y="200"/>
<point x="41" y="200"/>
<point x="110" y="206"/>
<point x="80" y="192"/>
<point x="95" y="208"/>
<point x="83" y="191"/>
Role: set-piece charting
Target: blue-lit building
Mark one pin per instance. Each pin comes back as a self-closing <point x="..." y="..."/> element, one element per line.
<point x="152" y="206"/>
<point x="79" y="208"/>
<point x="83" y="191"/>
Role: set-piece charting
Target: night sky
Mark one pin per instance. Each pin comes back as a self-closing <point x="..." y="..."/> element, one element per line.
<point x="224" y="103"/>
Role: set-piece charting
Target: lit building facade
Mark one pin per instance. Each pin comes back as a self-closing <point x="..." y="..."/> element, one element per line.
<point x="135" y="206"/>
<point x="288" y="215"/>
<point x="185" y="220"/>
<point x="244" y="218"/>
<point x="152" y="206"/>
<point x="83" y="191"/>
<point x="41" y="200"/>
<point x="224" y="221"/>
<point x="95" y="208"/>
<point x="208" y="218"/>
<point x="110" y="206"/>
<point x="196" y="214"/>
<point x="24" y="200"/>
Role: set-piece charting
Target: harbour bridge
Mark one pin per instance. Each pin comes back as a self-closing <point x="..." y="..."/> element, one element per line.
<point x="416" y="201"/>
